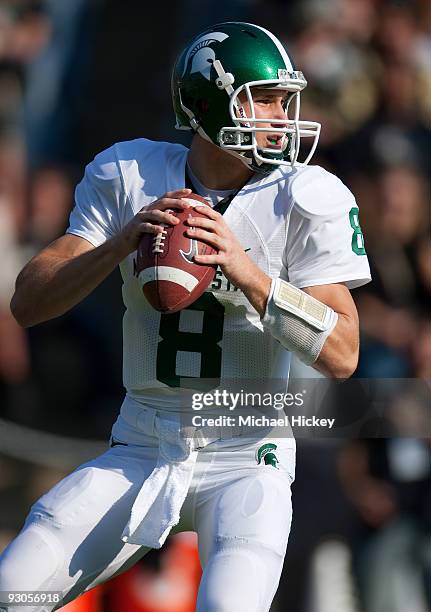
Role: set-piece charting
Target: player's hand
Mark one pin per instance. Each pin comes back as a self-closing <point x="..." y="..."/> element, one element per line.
<point x="214" y="230"/>
<point x="151" y="220"/>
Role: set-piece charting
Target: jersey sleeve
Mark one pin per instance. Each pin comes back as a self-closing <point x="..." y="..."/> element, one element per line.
<point x="324" y="240"/>
<point x="99" y="200"/>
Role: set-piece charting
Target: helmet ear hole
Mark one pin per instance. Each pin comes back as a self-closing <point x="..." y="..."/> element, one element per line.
<point x="191" y="104"/>
<point x="202" y="106"/>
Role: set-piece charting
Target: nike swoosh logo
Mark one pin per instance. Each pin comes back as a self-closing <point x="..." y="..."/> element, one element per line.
<point x="193" y="250"/>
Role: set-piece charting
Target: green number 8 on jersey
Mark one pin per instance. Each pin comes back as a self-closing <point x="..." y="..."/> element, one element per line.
<point x="358" y="245"/>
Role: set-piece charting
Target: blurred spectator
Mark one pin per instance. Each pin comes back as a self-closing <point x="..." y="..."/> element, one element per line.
<point x="330" y="46"/>
<point x="55" y="79"/>
<point x="422" y="350"/>
<point x="388" y="484"/>
<point x="50" y="203"/>
<point x="390" y="307"/>
<point x="398" y="131"/>
<point x="14" y="354"/>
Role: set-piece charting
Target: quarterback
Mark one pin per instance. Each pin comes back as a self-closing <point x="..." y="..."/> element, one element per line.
<point x="289" y="248"/>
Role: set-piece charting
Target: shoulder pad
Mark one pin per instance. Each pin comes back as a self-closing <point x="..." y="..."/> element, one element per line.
<point x="318" y="193"/>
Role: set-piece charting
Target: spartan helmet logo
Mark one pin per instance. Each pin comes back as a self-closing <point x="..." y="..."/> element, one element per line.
<point x="266" y="452"/>
<point x="201" y="54"/>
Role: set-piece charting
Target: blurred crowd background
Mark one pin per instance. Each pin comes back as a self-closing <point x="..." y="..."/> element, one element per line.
<point x="76" y="76"/>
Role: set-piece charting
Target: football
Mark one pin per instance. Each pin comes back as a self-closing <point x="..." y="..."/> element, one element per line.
<point x="171" y="280"/>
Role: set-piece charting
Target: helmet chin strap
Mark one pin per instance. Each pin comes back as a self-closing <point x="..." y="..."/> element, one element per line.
<point x="251" y="162"/>
<point x="248" y="159"/>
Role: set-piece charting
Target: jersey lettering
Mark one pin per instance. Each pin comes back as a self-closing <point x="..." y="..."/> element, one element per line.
<point x="221" y="283"/>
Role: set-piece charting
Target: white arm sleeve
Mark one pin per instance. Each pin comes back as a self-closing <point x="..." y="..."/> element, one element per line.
<point x="99" y="200"/>
<point x="324" y="241"/>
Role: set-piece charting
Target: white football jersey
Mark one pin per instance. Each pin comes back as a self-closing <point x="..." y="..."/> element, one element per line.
<point x="301" y="224"/>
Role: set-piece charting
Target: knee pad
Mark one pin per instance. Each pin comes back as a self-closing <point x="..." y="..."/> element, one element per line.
<point x="239" y="576"/>
<point x="31" y="560"/>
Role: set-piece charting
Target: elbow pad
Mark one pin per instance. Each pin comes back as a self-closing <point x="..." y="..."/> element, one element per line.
<point x="297" y="320"/>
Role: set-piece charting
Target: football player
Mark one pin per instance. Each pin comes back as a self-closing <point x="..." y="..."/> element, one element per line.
<point x="289" y="247"/>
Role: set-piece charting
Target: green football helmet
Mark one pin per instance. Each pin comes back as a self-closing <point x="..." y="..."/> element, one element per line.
<point x="209" y="76"/>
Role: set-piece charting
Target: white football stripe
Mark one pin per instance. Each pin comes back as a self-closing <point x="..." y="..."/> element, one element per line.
<point x="193" y="202"/>
<point x="168" y="273"/>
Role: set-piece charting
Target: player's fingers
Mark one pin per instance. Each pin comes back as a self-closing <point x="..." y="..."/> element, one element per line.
<point x="164" y="203"/>
<point x="160" y="216"/>
<point x="209" y="212"/>
<point x="203" y="222"/>
<point x="208" y="237"/>
<point x="150" y="228"/>
<point x="179" y="193"/>
<point x="208" y="260"/>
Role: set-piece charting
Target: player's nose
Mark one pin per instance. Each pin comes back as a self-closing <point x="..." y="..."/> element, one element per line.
<point x="279" y="113"/>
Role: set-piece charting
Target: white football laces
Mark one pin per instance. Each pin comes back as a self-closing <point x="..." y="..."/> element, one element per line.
<point x="159" y="239"/>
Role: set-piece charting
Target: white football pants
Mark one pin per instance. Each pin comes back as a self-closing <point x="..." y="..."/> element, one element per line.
<point x="71" y="540"/>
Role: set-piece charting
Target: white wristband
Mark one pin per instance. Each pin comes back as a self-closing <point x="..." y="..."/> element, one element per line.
<point x="297" y="320"/>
